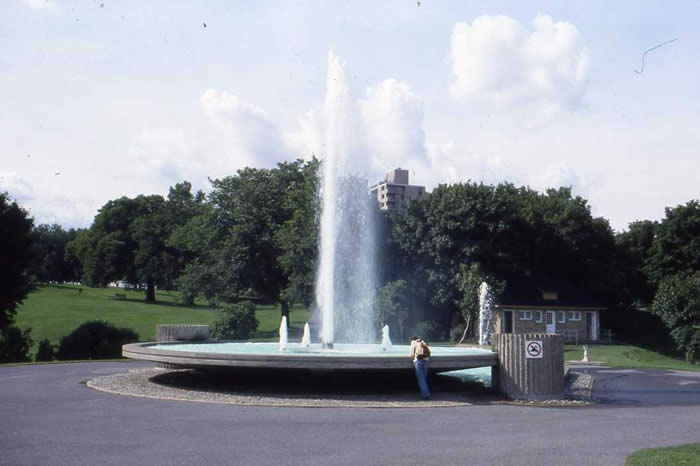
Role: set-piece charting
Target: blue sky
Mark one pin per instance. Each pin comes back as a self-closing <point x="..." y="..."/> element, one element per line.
<point x="125" y="98"/>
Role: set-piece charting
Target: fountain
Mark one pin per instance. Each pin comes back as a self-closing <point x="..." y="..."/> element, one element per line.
<point x="386" y="341"/>
<point x="306" y="337"/>
<point x="485" y="307"/>
<point x="346" y="282"/>
<point x="283" y="334"/>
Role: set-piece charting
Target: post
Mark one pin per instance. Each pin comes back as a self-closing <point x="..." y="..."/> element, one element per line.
<point x="530" y="366"/>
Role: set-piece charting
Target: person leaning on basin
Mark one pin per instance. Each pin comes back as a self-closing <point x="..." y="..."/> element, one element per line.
<point x="420" y="354"/>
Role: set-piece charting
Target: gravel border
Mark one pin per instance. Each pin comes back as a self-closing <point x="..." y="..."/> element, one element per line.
<point x="140" y="383"/>
<point x="137" y="382"/>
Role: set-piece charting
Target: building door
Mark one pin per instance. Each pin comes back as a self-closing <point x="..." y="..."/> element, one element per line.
<point x="508" y="322"/>
<point x="551" y="322"/>
<point x="589" y="325"/>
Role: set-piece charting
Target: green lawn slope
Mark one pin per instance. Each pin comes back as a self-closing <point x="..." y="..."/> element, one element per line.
<point x="628" y="357"/>
<point x="53" y="311"/>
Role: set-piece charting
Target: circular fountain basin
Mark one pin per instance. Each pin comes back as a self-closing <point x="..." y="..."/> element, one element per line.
<point x="343" y="357"/>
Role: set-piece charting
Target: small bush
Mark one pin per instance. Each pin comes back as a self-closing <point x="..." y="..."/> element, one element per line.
<point x="235" y="322"/>
<point x="46" y="351"/>
<point x="15" y="345"/>
<point x="428" y="330"/>
<point x="95" y="340"/>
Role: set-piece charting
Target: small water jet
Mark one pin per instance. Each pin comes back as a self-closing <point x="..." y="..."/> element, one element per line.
<point x="306" y="337"/>
<point x="386" y="341"/>
<point x="283" y="334"/>
<point x="485" y="308"/>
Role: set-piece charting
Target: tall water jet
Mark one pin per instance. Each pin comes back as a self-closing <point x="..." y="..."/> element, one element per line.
<point x="485" y="308"/>
<point x="345" y="284"/>
<point x="283" y="334"/>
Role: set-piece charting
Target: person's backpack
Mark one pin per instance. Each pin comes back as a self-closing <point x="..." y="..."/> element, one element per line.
<point x="422" y="350"/>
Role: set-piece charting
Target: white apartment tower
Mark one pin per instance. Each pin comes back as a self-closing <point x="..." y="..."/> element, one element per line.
<point x="394" y="192"/>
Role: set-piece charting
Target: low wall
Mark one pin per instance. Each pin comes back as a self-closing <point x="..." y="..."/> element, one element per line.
<point x="530" y="366"/>
<point x="170" y="332"/>
<point x="181" y="332"/>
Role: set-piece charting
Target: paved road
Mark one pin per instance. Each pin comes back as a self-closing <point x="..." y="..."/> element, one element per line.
<point x="48" y="416"/>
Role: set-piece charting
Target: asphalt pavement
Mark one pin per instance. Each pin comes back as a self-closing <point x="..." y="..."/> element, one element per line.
<point x="49" y="416"/>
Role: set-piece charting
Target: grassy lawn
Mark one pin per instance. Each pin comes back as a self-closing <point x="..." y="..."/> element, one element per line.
<point x="628" y="356"/>
<point x="54" y="311"/>
<point x="671" y="456"/>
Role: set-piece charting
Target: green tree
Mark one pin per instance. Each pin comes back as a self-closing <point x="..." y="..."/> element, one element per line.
<point x="634" y="247"/>
<point x="677" y="303"/>
<point x="16" y="242"/>
<point x="128" y="240"/>
<point x="255" y="239"/>
<point x="469" y="280"/>
<point x="297" y="238"/>
<point x="676" y="244"/>
<point x="509" y="232"/>
<point x="50" y="244"/>
<point x="395" y="305"/>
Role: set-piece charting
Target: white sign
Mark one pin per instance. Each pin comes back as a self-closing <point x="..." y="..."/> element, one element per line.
<point x="533" y="349"/>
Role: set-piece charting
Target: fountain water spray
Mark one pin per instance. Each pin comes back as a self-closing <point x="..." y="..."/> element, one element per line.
<point x="283" y="334"/>
<point x="485" y="307"/>
<point x="346" y="282"/>
<point x="306" y="338"/>
<point x="386" y="341"/>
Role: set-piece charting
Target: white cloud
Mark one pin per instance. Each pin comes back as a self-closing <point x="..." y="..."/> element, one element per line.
<point x="19" y="188"/>
<point x="38" y="4"/>
<point x="393" y="116"/>
<point x="250" y="135"/>
<point x="450" y="163"/>
<point x="497" y="58"/>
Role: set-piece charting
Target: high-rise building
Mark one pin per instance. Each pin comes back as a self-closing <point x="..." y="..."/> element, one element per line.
<point x="394" y="192"/>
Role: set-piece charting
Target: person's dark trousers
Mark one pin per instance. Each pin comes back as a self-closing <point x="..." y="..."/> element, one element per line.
<point x="421" y="366"/>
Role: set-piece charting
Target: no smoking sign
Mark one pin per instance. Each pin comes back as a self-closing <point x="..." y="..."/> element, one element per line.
<point x="533" y="349"/>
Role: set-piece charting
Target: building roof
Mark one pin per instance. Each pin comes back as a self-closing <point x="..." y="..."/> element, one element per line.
<point x="547" y="292"/>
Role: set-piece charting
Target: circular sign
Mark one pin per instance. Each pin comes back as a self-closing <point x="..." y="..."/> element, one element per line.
<point x="534" y="349"/>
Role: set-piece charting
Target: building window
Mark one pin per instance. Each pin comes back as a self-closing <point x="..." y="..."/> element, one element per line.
<point x="574" y="315"/>
<point x="538" y="317"/>
<point x="562" y="317"/>
<point x="525" y="315"/>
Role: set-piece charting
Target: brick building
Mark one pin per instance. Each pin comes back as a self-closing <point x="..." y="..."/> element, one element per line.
<point x="532" y="305"/>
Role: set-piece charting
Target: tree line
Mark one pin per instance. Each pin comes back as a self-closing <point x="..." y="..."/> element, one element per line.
<point x="253" y="236"/>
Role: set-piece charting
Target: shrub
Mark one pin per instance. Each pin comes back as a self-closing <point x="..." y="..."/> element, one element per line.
<point x="428" y="330"/>
<point x="95" y="340"/>
<point x="235" y="322"/>
<point x="46" y="351"/>
<point x="15" y="345"/>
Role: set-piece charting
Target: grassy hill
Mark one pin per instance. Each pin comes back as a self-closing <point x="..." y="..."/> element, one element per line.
<point x="53" y="311"/>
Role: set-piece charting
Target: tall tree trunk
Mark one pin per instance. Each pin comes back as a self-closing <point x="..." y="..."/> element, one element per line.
<point x="284" y="310"/>
<point x="150" y="291"/>
<point x="466" y="329"/>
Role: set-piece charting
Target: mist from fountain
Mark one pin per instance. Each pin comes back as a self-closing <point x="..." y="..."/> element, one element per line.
<point x="346" y="277"/>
